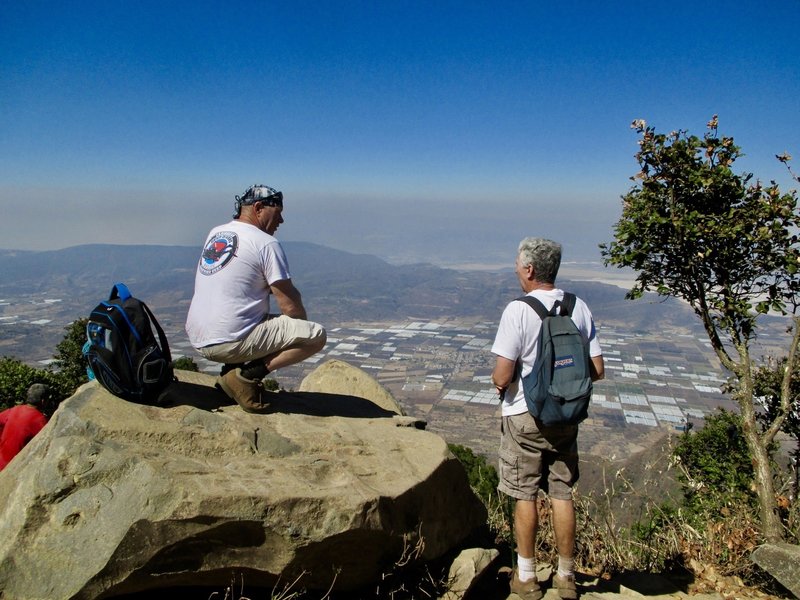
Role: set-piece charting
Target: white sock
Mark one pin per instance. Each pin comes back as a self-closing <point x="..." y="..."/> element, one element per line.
<point x="526" y="568"/>
<point x="566" y="567"/>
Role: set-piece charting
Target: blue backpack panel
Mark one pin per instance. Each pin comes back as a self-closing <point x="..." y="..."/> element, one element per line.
<point x="559" y="388"/>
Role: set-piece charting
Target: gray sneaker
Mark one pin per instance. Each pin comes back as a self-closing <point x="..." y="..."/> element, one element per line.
<point x="248" y="393"/>
<point x="527" y="590"/>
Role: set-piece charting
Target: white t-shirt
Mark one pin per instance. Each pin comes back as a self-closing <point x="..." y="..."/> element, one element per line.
<point x="232" y="284"/>
<point x="518" y="334"/>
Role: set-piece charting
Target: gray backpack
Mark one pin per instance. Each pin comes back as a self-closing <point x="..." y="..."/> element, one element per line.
<point x="559" y="388"/>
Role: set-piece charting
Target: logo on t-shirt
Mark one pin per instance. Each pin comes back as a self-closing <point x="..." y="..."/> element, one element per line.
<point x="219" y="251"/>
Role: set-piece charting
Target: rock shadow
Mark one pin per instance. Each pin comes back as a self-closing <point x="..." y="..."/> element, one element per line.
<point x="184" y="393"/>
<point x="321" y="404"/>
<point x="643" y="583"/>
<point x="318" y="404"/>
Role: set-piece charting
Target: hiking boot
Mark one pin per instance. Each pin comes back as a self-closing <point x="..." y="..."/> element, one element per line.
<point x="527" y="590"/>
<point x="566" y="587"/>
<point x="246" y="392"/>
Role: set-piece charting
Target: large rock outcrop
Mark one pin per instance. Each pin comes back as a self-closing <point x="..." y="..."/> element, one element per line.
<point x="115" y="498"/>
<point x="782" y="561"/>
<point x="339" y="377"/>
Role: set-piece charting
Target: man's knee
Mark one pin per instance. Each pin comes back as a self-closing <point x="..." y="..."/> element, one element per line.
<point x="298" y="334"/>
<point x="319" y="340"/>
<point x="312" y="342"/>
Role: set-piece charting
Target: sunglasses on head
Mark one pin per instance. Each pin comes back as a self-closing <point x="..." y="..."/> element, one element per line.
<point x="275" y="199"/>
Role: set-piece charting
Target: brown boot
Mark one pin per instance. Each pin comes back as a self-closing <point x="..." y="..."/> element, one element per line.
<point x="527" y="590"/>
<point x="246" y="392"/>
<point x="566" y="587"/>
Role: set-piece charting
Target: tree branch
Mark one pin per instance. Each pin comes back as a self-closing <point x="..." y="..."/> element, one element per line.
<point x="786" y="384"/>
<point x="713" y="335"/>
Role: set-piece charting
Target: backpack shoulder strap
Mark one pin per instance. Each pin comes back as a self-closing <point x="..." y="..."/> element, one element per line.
<point x="568" y="304"/>
<point x="561" y="307"/>
<point x="536" y="305"/>
<point x="162" y="337"/>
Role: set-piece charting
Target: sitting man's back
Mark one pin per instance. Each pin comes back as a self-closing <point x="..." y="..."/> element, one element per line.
<point x="20" y="424"/>
<point x="241" y="266"/>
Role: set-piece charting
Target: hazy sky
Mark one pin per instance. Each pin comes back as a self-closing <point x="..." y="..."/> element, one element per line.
<point x="440" y="130"/>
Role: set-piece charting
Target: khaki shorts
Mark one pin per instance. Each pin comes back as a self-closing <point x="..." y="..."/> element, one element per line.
<point x="534" y="458"/>
<point x="272" y="335"/>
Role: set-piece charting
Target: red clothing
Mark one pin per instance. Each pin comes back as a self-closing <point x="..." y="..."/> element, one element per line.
<point x="18" y="426"/>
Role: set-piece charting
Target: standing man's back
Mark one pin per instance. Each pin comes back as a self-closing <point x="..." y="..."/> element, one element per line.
<point x="241" y="266"/>
<point x="532" y="456"/>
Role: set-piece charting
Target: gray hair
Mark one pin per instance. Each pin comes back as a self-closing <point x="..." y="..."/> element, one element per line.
<point x="38" y="395"/>
<point x="544" y="255"/>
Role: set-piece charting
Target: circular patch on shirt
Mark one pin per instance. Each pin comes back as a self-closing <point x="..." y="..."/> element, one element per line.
<point x="218" y="252"/>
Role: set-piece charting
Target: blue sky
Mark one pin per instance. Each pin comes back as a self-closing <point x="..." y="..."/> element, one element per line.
<point x="413" y="130"/>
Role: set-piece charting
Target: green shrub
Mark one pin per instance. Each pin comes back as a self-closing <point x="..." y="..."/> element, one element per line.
<point x="715" y="468"/>
<point x="185" y="363"/>
<point x="483" y="480"/>
<point x="482" y="476"/>
<point x="70" y="364"/>
<point x="16" y="377"/>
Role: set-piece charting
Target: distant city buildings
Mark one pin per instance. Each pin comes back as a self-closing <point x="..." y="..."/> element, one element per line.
<point x="650" y="380"/>
<point x="439" y="370"/>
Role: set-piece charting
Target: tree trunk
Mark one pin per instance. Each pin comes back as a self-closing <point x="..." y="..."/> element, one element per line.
<point x="762" y="472"/>
<point x="796" y="484"/>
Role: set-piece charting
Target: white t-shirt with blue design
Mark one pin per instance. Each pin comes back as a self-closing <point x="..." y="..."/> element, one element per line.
<point x="232" y="285"/>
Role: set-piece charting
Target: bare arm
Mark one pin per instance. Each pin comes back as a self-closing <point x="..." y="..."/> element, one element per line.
<point x="503" y="373"/>
<point x="288" y="298"/>
<point x="597" y="367"/>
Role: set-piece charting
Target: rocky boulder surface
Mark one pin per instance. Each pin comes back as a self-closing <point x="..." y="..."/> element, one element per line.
<point x="116" y="498"/>
<point x="339" y="377"/>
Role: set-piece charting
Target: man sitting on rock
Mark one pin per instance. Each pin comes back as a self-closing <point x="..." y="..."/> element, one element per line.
<point x="20" y="424"/>
<point x="241" y="266"/>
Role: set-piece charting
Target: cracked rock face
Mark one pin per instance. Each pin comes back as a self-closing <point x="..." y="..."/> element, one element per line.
<point x="114" y="498"/>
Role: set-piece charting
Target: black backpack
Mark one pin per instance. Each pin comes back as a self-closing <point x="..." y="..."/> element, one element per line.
<point x="124" y="354"/>
<point x="559" y="388"/>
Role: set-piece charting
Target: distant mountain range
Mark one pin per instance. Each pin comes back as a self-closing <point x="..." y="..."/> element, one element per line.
<point x="338" y="287"/>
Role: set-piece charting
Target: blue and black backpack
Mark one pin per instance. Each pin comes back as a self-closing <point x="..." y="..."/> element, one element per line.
<point x="559" y="388"/>
<point x="125" y="355"/>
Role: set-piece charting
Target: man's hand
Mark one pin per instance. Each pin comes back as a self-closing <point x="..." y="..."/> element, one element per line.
<point x="288" y="298"/>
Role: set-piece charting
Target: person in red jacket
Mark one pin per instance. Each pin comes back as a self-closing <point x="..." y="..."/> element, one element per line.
<point x="19" y="424"/>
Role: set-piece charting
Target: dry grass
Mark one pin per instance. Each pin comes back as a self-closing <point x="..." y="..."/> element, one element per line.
<point x="289" y="591"/>
<point x="715" y="552"/>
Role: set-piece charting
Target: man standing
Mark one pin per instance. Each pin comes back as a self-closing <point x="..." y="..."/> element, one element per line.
<point x="241" y="266"/>
<point x="532" y="456"/>
<point x="20" y="424"/>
